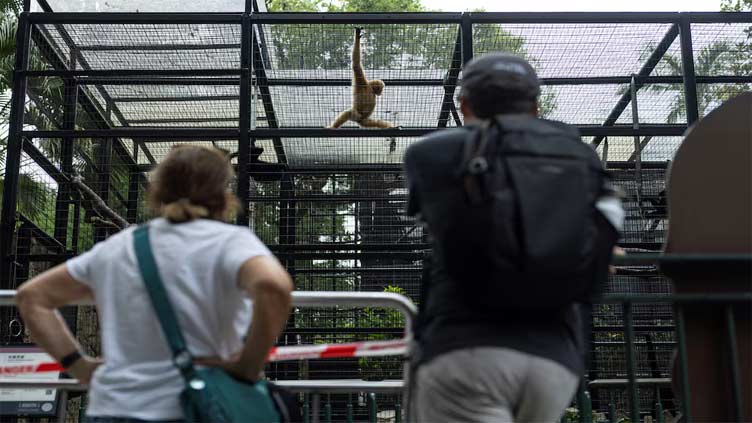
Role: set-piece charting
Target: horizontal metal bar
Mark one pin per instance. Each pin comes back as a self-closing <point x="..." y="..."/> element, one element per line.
<point x="319" y="132"/>
<point x="157" y="47"/>
<point x="340" y="271"/>
<point x="297" y="386"/>
<point x="218" y="81"/>
<point x="278" y="169"/>
<point x="719" y="259"/>
<point x="356" y="18"/>
<point x="187" y="120"/>
<point x="736" y="297"/>
<point x="341" y="330"/>
<point x="350" y="247"/>
<point x="620" y="165"/>
<point x="348" y="198"/>
<point x="637" y="328"/>
<point x="97" y="78"/>
<point x="308" y="299"/>
<point x="335" y="255"/>
<point x="585" y="130"/>
<point x="574" y="17"/>
<point x="125" y="73"/>
<point x="387" y="18"/>
<point x="608" y="17"/>
<point x="186" y="98"/>
<point x="343" y="82"/>
<point x="134" y="18"/>
<point x="622" y="383"/>
<point x="153" y="134"/>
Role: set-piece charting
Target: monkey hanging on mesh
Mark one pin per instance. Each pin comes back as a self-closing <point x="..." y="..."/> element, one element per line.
<point x="364" y="94"/>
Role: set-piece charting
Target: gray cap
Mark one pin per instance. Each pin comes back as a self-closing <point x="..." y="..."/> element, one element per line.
<point x="501" y="72"/>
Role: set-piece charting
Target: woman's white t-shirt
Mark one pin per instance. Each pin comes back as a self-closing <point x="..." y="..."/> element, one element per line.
<point x="198" y="262"/>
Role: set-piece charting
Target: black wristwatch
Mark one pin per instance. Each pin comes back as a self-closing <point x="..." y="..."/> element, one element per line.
<point x="70" y="359"/>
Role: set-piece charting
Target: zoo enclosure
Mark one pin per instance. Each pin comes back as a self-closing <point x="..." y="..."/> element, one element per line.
<point x="107" y="95"/>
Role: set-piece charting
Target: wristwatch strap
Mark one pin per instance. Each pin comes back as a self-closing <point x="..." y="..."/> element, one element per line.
<point x="69" y="359"/>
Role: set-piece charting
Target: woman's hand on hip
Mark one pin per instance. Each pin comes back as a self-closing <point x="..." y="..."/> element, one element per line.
<point x="233" y="366"/>
<point x="84" y="368"/>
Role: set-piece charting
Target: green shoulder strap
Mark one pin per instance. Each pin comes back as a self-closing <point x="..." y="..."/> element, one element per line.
<point x="162" y="306"/>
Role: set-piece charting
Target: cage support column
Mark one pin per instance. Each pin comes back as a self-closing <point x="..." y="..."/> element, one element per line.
<point x="65" y="191"/>
<point x="103" y="157"/>
<point x="467" y="37"/>
<point x="134" y="179"/>
<point x="13" y="151"/>
<point x="688" y="69"/>
<point x="245" y="110"/>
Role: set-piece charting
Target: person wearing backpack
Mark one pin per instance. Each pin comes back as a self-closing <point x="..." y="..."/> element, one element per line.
<point x="522" y="220"/>
<point x="173" y="296"/>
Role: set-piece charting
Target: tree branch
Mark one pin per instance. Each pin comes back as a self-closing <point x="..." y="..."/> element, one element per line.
<point x="99" y="204"/>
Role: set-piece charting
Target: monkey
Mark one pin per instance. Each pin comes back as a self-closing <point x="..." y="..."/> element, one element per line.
<point x="364" y="94"/>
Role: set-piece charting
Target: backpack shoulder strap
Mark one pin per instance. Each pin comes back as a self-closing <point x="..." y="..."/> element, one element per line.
<point x="476" y="160"/>
<point x="161" y="302"/>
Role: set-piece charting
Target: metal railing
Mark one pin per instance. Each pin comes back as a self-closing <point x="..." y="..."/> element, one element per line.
<point x="631" y="383"/>
<point x="314" y="387"/>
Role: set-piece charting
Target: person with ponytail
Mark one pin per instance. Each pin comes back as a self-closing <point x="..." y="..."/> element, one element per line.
<point x="218" y="277"/>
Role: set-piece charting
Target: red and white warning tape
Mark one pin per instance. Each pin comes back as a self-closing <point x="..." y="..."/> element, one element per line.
<point x="305" y="352"/>
<point x="355" y="349"/>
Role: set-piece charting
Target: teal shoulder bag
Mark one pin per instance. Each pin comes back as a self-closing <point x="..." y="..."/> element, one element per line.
<point x="210" y="395"/>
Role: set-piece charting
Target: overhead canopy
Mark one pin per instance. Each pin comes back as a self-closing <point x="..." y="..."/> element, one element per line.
<point x="304" y="72"/>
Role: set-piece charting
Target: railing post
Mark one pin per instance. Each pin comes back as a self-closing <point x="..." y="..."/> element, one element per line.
<point x="612" y="413"/>
<point x="62" y="405"/>
<point x="659" y="412"/>
<point x="306" y="409"/>
<point x="634" y="406"/>
<point x="372" y="408"/>
<point x="349" y="416"/>
<point x="736" y="384"/>
<point x="316" y="408"/>
<point x="328" y="409"/>
<point x="398" y="411"/>
<point x="688" y="69"/>
<point x="584" y="404"/>
<point x="681" y="338"/>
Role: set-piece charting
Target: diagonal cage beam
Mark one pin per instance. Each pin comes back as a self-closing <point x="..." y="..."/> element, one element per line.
<point x="646" y="70"/>
<point x="450" y="82"/>
<point x="262" y="83"/>
<point x="77" y="55"/>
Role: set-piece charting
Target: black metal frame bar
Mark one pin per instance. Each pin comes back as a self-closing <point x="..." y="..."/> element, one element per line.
<point x="245" y="110"/>
<point x="688" y="69"/>
<point x="70" y="98"/>
<point x="13" y="153"/>
<point x="161" y="134"/>
<point x="85" y="79"/>
<point x="389" y="18"/>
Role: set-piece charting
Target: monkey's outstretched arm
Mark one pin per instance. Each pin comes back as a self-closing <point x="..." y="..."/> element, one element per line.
<point x="375" y="123"/>
<point x="341" y="119"/>
<point x="359" y="77"/>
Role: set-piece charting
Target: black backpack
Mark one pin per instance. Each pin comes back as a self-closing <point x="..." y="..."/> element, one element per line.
<point x="526" y="235"/>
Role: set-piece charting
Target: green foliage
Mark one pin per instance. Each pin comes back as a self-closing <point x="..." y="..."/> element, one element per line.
<point x="380" y="368"/>
<point x="379" y="6"/>
<point x="345" y="6"/>
<point x="572" y="415"/>
<point x="718" y="58"/>
<point x="736" y="5"/>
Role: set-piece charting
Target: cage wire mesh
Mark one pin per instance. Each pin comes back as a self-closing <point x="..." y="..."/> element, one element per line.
<point x="333" y="209"/>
